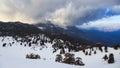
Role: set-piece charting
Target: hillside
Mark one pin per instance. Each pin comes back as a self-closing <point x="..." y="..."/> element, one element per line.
<point x="80" y="36"/>
<point x="72" y="34"/>
<point x="17" y="28"/>
<point x="13" y="55"/>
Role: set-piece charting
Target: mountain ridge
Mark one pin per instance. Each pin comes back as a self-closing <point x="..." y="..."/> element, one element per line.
<point x="17" y="28"/>
<point x="83" y="36"/>
<point x="73" y="34"/>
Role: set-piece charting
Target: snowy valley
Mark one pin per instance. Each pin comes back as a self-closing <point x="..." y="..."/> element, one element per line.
<point x="59" y="33"/>
<point x="13" y="51"/>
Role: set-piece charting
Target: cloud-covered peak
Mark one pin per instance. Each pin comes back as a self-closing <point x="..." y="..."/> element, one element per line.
<point x="66" y="16"/>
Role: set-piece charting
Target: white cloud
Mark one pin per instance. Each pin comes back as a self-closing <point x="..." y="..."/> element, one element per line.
<point x="106" y="24"/>
<point x="60" y="12"/>
<point x="116" y="8"/>
<point x="68" y="14"/>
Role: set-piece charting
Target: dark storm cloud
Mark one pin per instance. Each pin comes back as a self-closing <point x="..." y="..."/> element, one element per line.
<point x="61" y="12"/>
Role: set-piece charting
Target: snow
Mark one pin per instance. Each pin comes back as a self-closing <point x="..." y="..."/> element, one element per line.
<point x="41" y="28"/>
<point x="14" y="57"/>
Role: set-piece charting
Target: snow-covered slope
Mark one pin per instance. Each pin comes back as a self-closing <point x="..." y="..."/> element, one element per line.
<point x="15" y="57"/>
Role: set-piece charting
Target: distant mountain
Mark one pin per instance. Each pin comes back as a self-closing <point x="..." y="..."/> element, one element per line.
<point x="75" y="35"/>
<point x="107" y="38"/>
<point x="72" y="33"/>
<point x="17" y="28"/>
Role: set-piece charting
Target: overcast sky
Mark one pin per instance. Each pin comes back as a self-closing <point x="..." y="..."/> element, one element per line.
<point x="85" y="14"/>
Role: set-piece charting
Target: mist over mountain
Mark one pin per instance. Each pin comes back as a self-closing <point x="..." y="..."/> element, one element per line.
<point x="64" y="33"/>
<point x="81" y="35"/>
<point x="71" y="33"/>
<point x="107" y="38"/>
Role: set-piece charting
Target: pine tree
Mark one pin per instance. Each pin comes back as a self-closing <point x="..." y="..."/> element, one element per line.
<point x="90" y="53"/>
<point x="69" y="58"/>
<point x="95" y="52"/>
<point x="58" y="58"/>
<point x="79" y="61"/>
<point x="100" y="48"/>
<point x="116" y="47"/>
<point x="86" y="53"/>
<point x="4" y="44"/>
<point x="111" y="59"/>
<point x="106" y="49"/>
<point x="105" y="57"/>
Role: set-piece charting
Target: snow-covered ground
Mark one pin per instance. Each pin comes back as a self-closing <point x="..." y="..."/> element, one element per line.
<point x="15" y="57"/>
